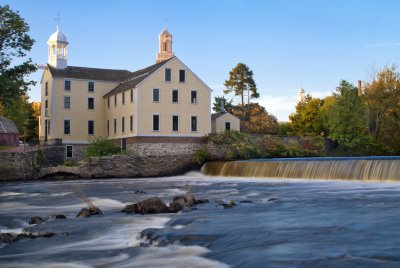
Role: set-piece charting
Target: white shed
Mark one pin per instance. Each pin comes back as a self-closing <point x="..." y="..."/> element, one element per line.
<point x="224" y="122"/>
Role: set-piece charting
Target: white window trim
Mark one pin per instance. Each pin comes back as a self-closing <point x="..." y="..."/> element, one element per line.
<point x="94" y="127"/>
<point x="165" y="68"/>
<point x="159" y="123"/>
<point x="159" y="95"/>
<point x="179" y="120"/>
<point x="197" y="96"/>
<point x="69" y="102"/>
<point x="133" y="126"/>
<point x="197" y="123"/>
<point x="180" y="75"/>
<point x="172" y="96"/>
<point x="66" y="151"/>
<point x="93" y="104"/>
<point x="63" y="126"/>
<point x="93" y="87"/>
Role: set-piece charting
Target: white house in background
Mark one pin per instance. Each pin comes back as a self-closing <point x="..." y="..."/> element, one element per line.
<point x="224" y="121"/>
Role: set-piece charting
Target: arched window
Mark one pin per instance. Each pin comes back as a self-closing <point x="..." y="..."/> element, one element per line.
<point x="165" y="46"/>
<point x="54" y="50"/>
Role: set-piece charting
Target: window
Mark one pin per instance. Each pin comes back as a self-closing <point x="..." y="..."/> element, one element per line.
<point x="67" y="85"/>
<point x="90" y="127"/>
<point x="165" y="46"/>
<point x="175" y="123"/>
<point x="156" y="122"/>
<point x="48" y="127"/>
<point x="123" y="98"/>
<point x="46" y="89"/>
<point x="182" y="76"/>
<point x="167" y="74"/>
<point x="67" y="127"/>
<point x="91" y="86"/>
<point x="227" y="126"/>
<point x="108" y="102"/>
<point x="131" y="123"/>
<point x="131" y="95"/>
<point x="175" y="95"/>
<point x="193" y="96"/>
<point x="67" y="102"/>
<point x="115" y="100"/>
<point x="156" y="95"/>
<point x="194" y="123"/>
<point x="115" y="125"/>
<point x="90" y="103"/>
<point x="108" y="127"/>
<point x="123" y="124"/>
<point x="46" y="108"/>
<point x="69" y="150"/>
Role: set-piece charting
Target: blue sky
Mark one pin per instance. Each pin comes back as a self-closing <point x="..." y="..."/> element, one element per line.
<point x="287" y="43"/>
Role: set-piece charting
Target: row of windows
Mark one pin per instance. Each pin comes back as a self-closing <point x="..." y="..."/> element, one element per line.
<point x="67" y="103"/>
<point x="123" y="99"/>
<point x="156" y="124"/>
<point x="67" y="87"/>
<point x="67" y="127"/>
<point x="175" y="123"/>
<point x="175" y="95"/>
<point x="122" y="125"/>
<point x="168" y="75"/>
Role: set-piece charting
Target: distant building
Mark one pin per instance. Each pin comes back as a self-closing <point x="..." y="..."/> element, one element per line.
<point x="301" y="96"/>
<point x="165" y="99"/>
<point x="9" y="134"/>
<point x="224" y="121"/>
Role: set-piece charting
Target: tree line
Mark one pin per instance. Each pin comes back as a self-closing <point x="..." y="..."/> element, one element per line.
<point x="14" y="85"/>
<point x="361" y="124"/>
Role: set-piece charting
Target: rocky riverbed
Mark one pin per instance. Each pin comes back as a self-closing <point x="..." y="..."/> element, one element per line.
<point x="202" y="222"/>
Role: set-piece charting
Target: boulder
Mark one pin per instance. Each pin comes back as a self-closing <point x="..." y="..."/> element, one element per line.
<point x="151" y="205"/>
<point x="59" y="216"/>
<point x="36" y="220"/>
<point x="32" y="235"/>
<point x="87" y="212"/>
<point x="133" y="208"/>
<point x="186" y="199"/>
<point x="7" y="238"/>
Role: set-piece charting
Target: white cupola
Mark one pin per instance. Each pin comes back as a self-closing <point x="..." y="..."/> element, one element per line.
<point x="301" y="95"/>
<point x="58" y="49"/>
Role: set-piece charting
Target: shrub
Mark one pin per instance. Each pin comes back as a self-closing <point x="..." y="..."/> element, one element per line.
<point x="100" y="146"/>
<point x="312" y="146"/>
<point x="201" y="156"/>
<point x="272" y="146"/>
<point x="293" y="149"/>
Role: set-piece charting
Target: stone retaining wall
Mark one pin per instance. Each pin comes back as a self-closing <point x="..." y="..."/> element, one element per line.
<point x="25" y="165"/>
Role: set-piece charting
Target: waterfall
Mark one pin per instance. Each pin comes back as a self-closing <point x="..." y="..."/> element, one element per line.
<point x="368" y="169"/>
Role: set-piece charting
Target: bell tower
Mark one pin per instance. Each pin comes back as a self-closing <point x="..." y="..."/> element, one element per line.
<point x="57" y="48"/>
<point x="165" y="45"/>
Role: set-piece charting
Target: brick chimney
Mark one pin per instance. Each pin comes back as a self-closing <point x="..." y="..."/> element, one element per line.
<point x="359" y="87"/>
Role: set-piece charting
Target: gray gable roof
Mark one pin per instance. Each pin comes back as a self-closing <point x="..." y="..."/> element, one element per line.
<point x="136" y="77"/>
<point x="217" y="115"/>
<point x="90" y="73"/>
<point x="8" y="126"/>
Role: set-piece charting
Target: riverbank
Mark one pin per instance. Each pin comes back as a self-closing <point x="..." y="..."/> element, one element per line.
<point x="281" y="223"/>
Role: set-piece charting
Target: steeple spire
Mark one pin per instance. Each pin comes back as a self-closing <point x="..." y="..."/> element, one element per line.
<point x="58" y="21"/>
<point x="165" y="45"/>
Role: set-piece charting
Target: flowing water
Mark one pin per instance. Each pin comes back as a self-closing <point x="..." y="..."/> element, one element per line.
<point x="355" y="168"/>
<point x="276" y="223"/>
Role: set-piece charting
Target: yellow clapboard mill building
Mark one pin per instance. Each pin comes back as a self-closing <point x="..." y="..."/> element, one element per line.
<point x="164" y="101"/>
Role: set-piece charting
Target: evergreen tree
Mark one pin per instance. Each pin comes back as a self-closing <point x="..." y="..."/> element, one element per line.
<point x="241" y="80"/>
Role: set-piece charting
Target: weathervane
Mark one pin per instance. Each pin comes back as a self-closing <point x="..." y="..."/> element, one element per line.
<point x="165" y="23"/>
<point x="58" y="21"/>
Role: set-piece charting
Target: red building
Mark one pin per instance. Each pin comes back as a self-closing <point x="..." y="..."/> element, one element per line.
<point x="9" y="134"/>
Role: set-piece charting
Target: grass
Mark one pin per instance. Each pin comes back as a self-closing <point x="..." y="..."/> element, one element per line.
<point x="4" y="147"/>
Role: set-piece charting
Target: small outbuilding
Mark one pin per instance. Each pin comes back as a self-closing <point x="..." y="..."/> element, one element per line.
<point x="9" y="134"/>
<point x="224" y="121"/>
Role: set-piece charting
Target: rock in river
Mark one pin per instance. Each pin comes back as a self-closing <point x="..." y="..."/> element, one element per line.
<point x="36" y="220"/>
<point x="87" y="212"/>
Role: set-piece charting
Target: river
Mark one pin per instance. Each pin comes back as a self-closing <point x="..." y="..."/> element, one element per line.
<point x="275" y="223"/>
